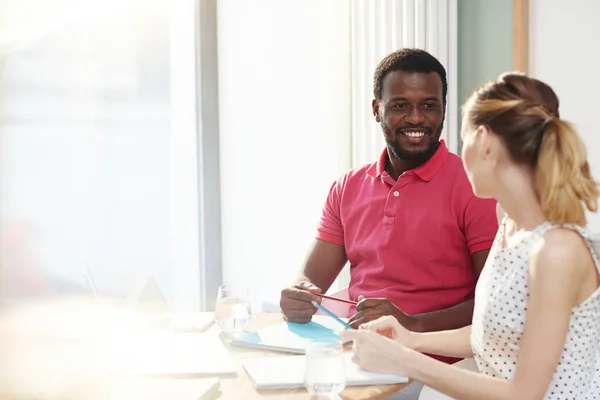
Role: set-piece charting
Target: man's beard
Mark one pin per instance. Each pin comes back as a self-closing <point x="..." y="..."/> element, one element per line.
<point x="401" y="153"/>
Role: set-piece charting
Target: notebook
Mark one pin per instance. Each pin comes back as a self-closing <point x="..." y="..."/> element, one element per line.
<point x="167" y="389"/>
<point x="290" y="337"/>
<point x="287" y="372"/>
<point x="176" y="354"/>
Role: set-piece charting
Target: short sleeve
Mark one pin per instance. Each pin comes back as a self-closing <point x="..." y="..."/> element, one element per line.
<point x="480" y="224"/>
<point x="330" y="225"/>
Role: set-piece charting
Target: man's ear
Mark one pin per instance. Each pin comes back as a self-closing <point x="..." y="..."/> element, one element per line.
<point x="375" y="106"/>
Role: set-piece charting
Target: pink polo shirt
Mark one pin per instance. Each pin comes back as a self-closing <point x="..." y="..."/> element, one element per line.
<point x="410" y="240"/>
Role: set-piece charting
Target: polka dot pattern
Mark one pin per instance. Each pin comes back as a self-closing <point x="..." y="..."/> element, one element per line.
<point x="500" y="314"/>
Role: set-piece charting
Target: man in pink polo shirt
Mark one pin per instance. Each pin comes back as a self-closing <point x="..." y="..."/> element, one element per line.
<point x="409" y="224"/>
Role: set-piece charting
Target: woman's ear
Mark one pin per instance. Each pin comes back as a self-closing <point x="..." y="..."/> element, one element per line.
<point x="483" y="139"/>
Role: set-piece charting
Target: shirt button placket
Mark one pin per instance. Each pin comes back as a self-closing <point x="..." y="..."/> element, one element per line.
<point x="389" y="214"/>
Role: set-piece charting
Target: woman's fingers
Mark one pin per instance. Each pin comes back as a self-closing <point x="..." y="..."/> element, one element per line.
<point x="375" y="352"/>
<point x="356" y="336"/>
<point x="383" y="322"/>
<point x="350" y="334"/>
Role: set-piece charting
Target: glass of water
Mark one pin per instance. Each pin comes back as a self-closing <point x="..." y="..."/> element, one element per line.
<point x="325" y="371"/>
<point x="232" y="311"/>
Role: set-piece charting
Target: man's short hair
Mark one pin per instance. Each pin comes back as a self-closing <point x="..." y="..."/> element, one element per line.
<point x="409" y="60"/>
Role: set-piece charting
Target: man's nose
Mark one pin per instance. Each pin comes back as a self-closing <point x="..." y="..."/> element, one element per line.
<point x="415" y="116"/>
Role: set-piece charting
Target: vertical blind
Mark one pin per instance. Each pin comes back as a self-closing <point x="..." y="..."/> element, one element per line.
<point x="382" y="26"/>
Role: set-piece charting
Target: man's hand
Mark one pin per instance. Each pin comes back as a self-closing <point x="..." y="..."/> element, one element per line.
<point x="371" y="309"/>
<point x="296" y="302"/>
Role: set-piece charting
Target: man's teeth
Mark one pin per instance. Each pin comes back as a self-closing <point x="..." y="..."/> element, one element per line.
<point x="415" y="134"/>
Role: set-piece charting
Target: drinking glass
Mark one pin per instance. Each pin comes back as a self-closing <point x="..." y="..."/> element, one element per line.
<point x="232" y="310"/>
<point x="325" y="371"/>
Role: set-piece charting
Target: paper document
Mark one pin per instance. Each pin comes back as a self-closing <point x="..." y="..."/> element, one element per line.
<point x="287" y="372"/>
<point x="290" y="337"/>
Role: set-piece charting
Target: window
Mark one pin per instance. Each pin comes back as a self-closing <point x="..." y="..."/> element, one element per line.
<point x="88" y="126"/>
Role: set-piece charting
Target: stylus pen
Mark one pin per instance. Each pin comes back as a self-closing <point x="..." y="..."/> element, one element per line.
<point x="332" y="315"/>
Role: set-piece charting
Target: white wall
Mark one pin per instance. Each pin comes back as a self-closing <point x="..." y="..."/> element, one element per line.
<point x="564" y="52"/>
<point x="284" y="96"/>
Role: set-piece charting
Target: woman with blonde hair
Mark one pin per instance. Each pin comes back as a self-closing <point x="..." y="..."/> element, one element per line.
<point x="536" y="324"/>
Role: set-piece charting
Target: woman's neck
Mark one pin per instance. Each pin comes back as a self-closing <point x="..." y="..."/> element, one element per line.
<point x="517" y="197"/>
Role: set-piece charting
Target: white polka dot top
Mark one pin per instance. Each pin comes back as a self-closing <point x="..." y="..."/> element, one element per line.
<point x="499" y="320"/>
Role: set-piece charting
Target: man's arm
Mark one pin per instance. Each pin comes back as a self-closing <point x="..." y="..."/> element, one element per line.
<point x="454" y="317"/>
<point x="323" y="264"/>
<point x="480" y="226"/>
<point x="328" y="254"/>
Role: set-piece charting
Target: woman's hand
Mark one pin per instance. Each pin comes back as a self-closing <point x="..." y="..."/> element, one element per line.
<point x="389" y="327"/>
<point x="378" y="353"/>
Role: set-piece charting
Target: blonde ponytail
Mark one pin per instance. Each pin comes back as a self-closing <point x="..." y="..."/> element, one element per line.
<point x="523" y="111"/>
<point x="562" y="176"/>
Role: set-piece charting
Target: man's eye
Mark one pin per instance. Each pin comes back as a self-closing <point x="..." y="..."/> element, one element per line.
<point x="400" y="106"/>
<point x="430" y="105"/>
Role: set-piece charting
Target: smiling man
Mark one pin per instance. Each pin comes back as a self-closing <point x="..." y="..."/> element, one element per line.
<point x="409" y="224"/>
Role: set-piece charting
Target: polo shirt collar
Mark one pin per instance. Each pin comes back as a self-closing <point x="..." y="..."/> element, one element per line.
<point x="426" y="171"/>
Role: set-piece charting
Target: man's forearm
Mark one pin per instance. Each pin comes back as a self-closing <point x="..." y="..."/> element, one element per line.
<point x="306" y="277"/>
<point x="299" y="278"/>
<point x="454" y="317"/>
<point x="323" y="264"/>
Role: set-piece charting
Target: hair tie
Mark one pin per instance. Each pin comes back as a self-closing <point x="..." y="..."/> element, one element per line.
<point x="546" y="122"/>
